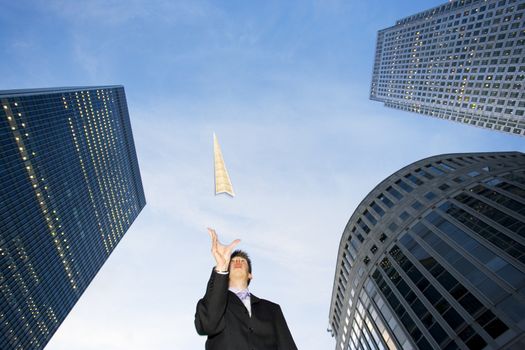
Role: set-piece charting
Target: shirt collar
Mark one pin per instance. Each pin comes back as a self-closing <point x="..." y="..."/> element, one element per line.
<point x="236" y="290"/>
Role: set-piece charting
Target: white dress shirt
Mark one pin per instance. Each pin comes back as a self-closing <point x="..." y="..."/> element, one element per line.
<point x="246" y="301"/>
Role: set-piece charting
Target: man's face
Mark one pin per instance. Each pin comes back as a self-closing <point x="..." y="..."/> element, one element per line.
<point x="239" y="268"/>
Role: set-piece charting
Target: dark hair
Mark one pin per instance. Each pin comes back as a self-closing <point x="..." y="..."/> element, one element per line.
<point x="244" y="255"/>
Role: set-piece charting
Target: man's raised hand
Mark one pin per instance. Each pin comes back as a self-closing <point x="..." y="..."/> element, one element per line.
<point x="220" y="252"/>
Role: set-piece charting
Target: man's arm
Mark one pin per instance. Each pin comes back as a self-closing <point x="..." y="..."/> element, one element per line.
<point x="209" y="317"/>
<point x="284" y="337"/>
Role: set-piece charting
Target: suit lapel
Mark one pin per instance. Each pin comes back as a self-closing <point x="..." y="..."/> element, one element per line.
<point x="236" y="305"/>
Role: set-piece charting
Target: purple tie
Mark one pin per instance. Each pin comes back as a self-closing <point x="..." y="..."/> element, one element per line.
<point x="243" y="294"/>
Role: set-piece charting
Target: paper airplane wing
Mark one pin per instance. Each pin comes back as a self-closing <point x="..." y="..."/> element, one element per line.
<point x="222" y="179"/>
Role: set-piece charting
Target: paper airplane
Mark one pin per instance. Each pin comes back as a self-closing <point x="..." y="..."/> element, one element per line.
<point x="222" y="179"/>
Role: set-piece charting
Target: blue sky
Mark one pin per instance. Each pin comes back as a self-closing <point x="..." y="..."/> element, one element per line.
<point x="285" y="86"/>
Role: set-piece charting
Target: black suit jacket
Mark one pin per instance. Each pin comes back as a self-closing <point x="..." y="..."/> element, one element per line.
<point x="222" y="316"/>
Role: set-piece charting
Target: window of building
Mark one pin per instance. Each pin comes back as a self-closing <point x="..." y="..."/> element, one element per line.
<point x="394" y="193"/>
<point x="404" y="216"/>
<point x="377" y="209"/>
<point x="430" y="195"/>
<point x="444" y="187"/>
<point x="404" y="186"/>
<point x="385" y="200"/>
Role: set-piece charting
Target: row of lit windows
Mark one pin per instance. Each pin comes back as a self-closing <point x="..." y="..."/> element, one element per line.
<point x="402" y="37"/>
<point x="87" y="140"/>
<point x="116" y="211"/>
<point x="471" y="106"/>
<point x="460" y="117"/>
<point x="61" y="246"/>
<point x="455" y="5"/>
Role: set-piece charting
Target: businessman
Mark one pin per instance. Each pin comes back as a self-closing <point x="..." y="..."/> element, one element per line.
<point x="232" y="317"/>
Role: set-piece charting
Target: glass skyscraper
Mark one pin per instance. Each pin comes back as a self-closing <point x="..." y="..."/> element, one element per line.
<point x="434" y="258"/>
<point x="462" y="61"/>
<point x="70" y="189"/>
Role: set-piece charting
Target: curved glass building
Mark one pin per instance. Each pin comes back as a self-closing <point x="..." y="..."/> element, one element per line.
<point x="434" y="258"/>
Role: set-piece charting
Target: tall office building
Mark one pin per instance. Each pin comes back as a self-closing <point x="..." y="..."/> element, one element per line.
<point x="70" y="189"/>
<point x="462" y="61"/>
<point x="434" y="258"/>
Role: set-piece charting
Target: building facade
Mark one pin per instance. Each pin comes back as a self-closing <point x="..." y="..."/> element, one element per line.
<point x="462" y="61"/>
<point x="70" y="189"/>
<point x="434" y="258"/>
